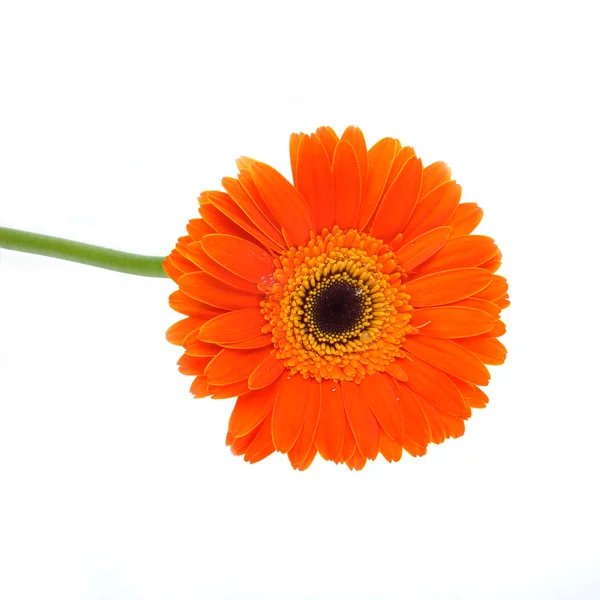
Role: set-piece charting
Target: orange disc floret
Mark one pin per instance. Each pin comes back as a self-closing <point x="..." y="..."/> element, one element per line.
<point x="352" y="312"/>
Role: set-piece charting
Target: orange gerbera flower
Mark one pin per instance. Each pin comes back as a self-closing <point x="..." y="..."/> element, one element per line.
<point x="352" y="313"/>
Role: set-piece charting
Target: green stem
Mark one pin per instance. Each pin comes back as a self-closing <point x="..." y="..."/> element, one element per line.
<point x="96" y="256"/>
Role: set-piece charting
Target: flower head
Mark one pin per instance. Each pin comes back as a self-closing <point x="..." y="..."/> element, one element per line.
<point x="352" y="313"/>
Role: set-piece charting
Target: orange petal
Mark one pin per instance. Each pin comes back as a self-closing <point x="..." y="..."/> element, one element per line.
<point x="170" y="269"/>
<point x="197" y="254"/>
<point x="199" y="387"/>
<point x="498" y="330"/>
<point x="365" y="427"/>
<point x="193" y="365"/>
<point x="234" y="326"/>
<point x="289" y="411"/>
<point x="399" y="202"/>
<point x="241" y="444"/>
<point x="462" y="251"/>
<point x="434" y="175"/>
<point x="483" y="305"/>
<point x="449" y="357"/>
<point x="437" y="426"/>
<point x="390" y="449"/>
<point x="433" y="210"/>
<point x="347" y="186"/>
<point x="416" y="426"/>
<point x="305" y="443"/>
<point x="285" y="201"/>
<point x="180" y="330"/>
<point x="380" y="158"/>
<point x="490" y="350"/>
<point x="381" y="398"/>
<point x="205" y="288"/>
<point x="255" y="342"/>
<point x="230" y="365"/>
<point x="419" y="249"/>
<point x="496" y="289"/>
<point x="445" y="287"/>
<point x="307" y="461"/>
<point x="329" y="139"/>
<point x="294" y="143"/>
<point x="451" y="321"/>
<point x="354" y="136"/>
<point x="195" y="347"/>
<point x="432" y="384"/>
<point x="251" y="410"/>
<point x="403" y="155"/>
<point x="357" y="461"/>
<point x="188" y="306"/>
<point x="414" y="449"/>
<point x="246" y="181"/>
<point x="232" y="390"/>
<point x="198" y="228"/>
<point x="241" y="257"/>
<point x="266" y="372"/>
<point x="330" y="431"/>
<point x="262" y="445"/>
<point x="228" y="207"/>
<point x="221" y="223"/>
<point x="395" y="370"/>
<point x="479" y="399"/>
<point x="314" y="180"/>
<point x="251" y="209"/>
<point x="465" y="218"/>
<point x="464" y="387"/>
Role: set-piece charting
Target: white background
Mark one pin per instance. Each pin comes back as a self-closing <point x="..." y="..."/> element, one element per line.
<point x="114" y="483"/>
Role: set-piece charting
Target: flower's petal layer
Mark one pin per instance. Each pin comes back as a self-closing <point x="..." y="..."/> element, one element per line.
<point x="285" y="202"/>
<point x="365" y="427"/>
<point x="230" y="365"/>
<point x="232" y="390"/>
<point x="193" y="365"/>
<point x="451" y="321"/>
<point x="205" y="288"/>
<point x="437" y="388"/>
<point x="294" y="144"/>
<point x="251" y="410"/>
<point x="253" y="234"/>
<point x="347" y="186"/>
<point x="396" y="371"/>
<point x="354" y="136"/>
<point x="314" y="180"/>
<point x="462" y="251"/>
<point x="170" y="269"/>
<point x="262" y="445"/>
<point x="180" y="330"/>
<point x="434" y="175"/>
<point x="255" y="342"/>
<point x="464" y="220"/>
<point x="241" y="257"/>
<point x="446" y="287"/>
<point x="240" y="445"/>
<point x="255" y="211"/>
<point x="433" y="210"/>
<point x="380" y="158"/>
<point x="329" y="139"/>
<point x="206" y="263"/>
<point x="479" y="398"/>
<point x="222" y="223"/>
<point x="494" y="263"/>
<point x="289" y="411"/>
<point x="483" y="305"/>
<point x="234" y="326"/>
<point x="399" y="202"/>
<point x="498" y="330"/>
<point x="490" y="350"/>
<point x="349" y="445"/>
<point x="464" y="387"/>
<point x="390" y="449"/>
<point x="195" y="347"/>
<point x="199" y="387"/>
<point x="418" y="250"/>
<point x="497" y="289"/>
<point x="416" y="426"/>
<point x="330" y="431"/>
<point x="305" y="442"/>
<point x="403" y="155"/>
<point x="449" y="357"/>
<point x="266" y="372"/>
<point x="357" y="461"/>
<point x="307" y="461"/>
<point x="381" y="398"/>
<point x="245" y="179"/>
<point x="436" y="424"/>
<point x="198" y="228"/>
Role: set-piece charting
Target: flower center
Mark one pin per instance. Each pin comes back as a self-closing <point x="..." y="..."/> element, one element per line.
<point x="337" y="307"/>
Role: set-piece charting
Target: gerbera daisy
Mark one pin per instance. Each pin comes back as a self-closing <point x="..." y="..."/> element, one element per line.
<point x="352" y="312"/>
